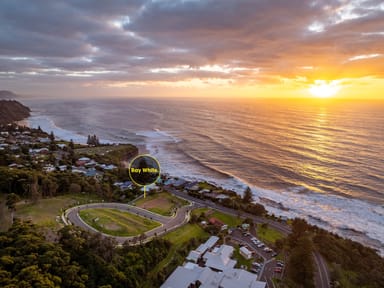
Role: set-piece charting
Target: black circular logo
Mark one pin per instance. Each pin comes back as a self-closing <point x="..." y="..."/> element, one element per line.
<point x="144" y="170"/>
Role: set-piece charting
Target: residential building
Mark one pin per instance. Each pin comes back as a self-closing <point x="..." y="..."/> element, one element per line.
<point x="192" y="275"/>
<point x="220" y="258"/>
<point x="245" y="252"/>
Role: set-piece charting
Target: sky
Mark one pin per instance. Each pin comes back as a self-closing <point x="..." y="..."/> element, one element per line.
<point x="223" y="48"/>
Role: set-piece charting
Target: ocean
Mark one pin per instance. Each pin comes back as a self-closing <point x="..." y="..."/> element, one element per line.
<point x="323" y="160"/>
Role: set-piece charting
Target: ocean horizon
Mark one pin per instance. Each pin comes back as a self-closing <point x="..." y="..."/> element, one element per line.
<point x="321" y="160"/>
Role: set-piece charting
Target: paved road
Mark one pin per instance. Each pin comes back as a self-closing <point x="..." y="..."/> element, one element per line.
<point x="269" y="262"/>
<point x="322" y="279"/>
<point x="322" y="273"/>
<point x="285" y="229"/>
<point x="167" y="223"/>
<point x="182" y="217"/>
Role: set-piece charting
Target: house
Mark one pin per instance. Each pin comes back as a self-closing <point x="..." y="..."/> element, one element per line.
<point x="49" y="168"/>
<point x="61" y="145"/>
<point x="245" y="252"/>
<point x="245" y="226"/>
<point x="82" y="161"/>
<point x="191" y="275"/>
<point x="90" y="163"/>
<point x="220" y="259"/>
<point x="39" y="151"/>
<point x="80" y="170"/>
<point x="216" y="222"/>
<point x="204" y="191"/>
<point x="193" y="186"/>
<point x="193" y="256"/>
<point x="222" y="197"/>
<point x="196" y="254"/>
<point x="44" y="140"/>
<point x="175" y="182"/>
<point x="92" y="172"/>
<point x="108" y="167"/>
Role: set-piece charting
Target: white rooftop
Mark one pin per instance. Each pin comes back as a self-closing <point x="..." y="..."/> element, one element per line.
<point x="221" y="260"/>
<point x="193" y="256"/>
<point x="183" y="277"/>
<point x="212" y="241"/>
<point x="244" y="250"/>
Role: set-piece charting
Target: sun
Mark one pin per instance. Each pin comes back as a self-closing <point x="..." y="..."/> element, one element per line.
<point x="324" y="89"/>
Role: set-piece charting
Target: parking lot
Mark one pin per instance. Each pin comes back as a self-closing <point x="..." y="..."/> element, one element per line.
<point x="269" y="267"/>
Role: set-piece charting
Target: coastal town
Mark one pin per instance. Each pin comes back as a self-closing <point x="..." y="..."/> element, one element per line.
<point x="23" y="148"/>
<point x="215" y="237"/>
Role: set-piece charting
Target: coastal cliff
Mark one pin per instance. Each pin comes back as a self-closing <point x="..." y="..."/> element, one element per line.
<point x="11" y="110"/>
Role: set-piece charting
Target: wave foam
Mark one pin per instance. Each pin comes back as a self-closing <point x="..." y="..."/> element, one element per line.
<point x="48" y="125"/>
<point x="351" y="218"/>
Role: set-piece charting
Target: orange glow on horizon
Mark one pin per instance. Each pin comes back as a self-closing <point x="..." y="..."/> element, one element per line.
<point x="324" y="89"/>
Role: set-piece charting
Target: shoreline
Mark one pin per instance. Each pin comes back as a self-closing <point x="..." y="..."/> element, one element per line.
<point x="330" y="212"/>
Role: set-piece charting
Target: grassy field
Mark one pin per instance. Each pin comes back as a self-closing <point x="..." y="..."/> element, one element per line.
<point x="179" y="238"/>
<point x="162" y="203"/>
<point x="182" y="235"/>
<point x="268" y="234"/>
<point x="101" y="150"/>
<point x="45" y="211"/>
<point x="205" y="185"/>
<point x="230" y="220"/>
<point x="116" y="222"/>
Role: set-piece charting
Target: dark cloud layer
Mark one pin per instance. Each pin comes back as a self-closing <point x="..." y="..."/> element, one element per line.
<point x="243" y="40"/>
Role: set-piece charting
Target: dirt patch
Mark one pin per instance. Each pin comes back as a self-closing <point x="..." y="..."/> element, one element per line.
<point x="112" y="226"/>
<point x="156" y="203"/>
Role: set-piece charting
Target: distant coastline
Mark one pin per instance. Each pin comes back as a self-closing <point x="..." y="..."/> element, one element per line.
<point x="336" y="213"/>
<point x="12" y="110"/>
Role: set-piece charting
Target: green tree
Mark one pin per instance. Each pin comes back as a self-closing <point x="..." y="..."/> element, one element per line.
<point x="11" y="201"/>
<point x="248" y="196"/>
<point x="52" y="137"/>
<point x="29" y="260"/>
<point x="300" y="264"/>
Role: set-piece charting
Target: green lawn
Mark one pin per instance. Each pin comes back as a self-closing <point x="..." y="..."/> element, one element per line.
<point x="116" y="222"/>
<point x="182" y="235"/>
<point x="162" y="203"/>
<point x="205" y="185"/>
<point x="199" y="211"/>
<point x="178" y="238"/>
<point x="268" y="234"/>
<point x="45" y="211"/>
<point x="230" y="220"/>
<point x="101" y="150"/>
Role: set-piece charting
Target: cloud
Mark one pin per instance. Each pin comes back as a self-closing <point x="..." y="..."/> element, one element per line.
<point x="247" y="41"/>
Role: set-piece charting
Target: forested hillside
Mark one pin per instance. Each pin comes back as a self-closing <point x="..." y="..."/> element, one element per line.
<point x="11" y="110"/>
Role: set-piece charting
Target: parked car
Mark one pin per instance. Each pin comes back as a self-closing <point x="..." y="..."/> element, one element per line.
<point x="257" y="264"/>
<point x="278" y="270"/>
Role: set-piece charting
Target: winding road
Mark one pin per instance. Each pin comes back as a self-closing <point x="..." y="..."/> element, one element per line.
<point x="71" y="216"/>
<point x="322" y="278"/>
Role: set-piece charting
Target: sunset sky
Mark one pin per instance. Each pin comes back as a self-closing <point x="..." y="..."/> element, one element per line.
<point x="250" y="48"/>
